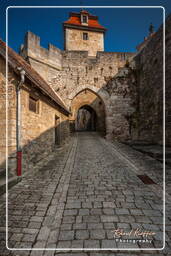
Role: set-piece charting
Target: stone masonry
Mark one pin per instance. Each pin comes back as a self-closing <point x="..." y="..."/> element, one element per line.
<point x="74" y="71"/>
<point x="73" y="41"/>
<point x="38" y="129"/>
<point x="82" y="32"/>
<point x="129" y="85"/>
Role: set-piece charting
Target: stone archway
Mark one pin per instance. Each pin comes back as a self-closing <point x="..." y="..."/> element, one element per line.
<point x="92" y="109"/>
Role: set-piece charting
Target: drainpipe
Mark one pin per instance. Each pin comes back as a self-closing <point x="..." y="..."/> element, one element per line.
<point x="19" y="147"/>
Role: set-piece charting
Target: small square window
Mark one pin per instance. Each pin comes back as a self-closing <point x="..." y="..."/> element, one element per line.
<point x="85" y="36"/>
<point x="33" y="104"/>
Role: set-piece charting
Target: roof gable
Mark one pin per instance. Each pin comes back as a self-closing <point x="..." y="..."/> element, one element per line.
<point x="75" y="20"/>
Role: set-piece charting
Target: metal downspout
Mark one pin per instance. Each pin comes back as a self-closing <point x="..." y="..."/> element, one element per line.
<point x="18" y="130"/>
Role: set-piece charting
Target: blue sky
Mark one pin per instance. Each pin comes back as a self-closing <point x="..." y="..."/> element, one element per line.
<point x="126" y="27"/>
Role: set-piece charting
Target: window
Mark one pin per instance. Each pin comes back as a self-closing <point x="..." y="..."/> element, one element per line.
<point x="33" y="104"/>
<point x="85" y="36"/>
<point x="85" y="19"/>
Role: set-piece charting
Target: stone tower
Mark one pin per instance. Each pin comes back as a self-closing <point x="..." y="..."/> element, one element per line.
<point x="82" y="32"/>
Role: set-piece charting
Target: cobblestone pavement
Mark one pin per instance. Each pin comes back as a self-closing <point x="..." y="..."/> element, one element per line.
<point x="81" y="196"/>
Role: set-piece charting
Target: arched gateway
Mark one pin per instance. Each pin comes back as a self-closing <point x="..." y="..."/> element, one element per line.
<point x="88" y="112"/>
<point x="86" y="119"/>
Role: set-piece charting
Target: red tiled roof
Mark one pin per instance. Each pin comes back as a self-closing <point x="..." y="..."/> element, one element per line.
<point x="16" y="61"/>
<point x="92" y="23"/>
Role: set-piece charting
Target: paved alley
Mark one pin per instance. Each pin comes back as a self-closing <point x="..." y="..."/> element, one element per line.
<point x="89" y="195"/>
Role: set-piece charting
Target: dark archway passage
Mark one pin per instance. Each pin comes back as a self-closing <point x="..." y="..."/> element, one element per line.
<point x="88" y="112"/>
<point x="86" y="119"/>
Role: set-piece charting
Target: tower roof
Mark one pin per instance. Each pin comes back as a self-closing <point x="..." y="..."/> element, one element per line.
<point x="74" y="21"/>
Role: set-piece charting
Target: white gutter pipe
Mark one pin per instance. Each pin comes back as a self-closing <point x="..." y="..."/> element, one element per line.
<point x="18" y="124"/>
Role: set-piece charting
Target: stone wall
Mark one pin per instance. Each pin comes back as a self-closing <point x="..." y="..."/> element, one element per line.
<point x="79" y="72"/>
<point x="37" y="129"/>
<point x="149" y="82"/>
<point x="11" y="115"/>
<point x="74" y="40"/>
<point x="141" y="83"/>
<point x="51" y="57"/>
<point x="121" y="104"/>
<point x="168" y="80"/>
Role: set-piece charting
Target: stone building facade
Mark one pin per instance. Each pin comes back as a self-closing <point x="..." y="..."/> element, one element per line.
<point x="44" y="117"/>
<point x="72" y="72"/>
<point x="84" y="33"/>
<point x="128" y="86"/>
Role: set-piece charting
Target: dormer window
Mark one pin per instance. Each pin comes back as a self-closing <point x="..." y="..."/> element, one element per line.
<point x="85" y="19"/>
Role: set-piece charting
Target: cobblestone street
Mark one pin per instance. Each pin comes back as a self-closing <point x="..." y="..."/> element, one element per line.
<point x="82" y="195"/>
